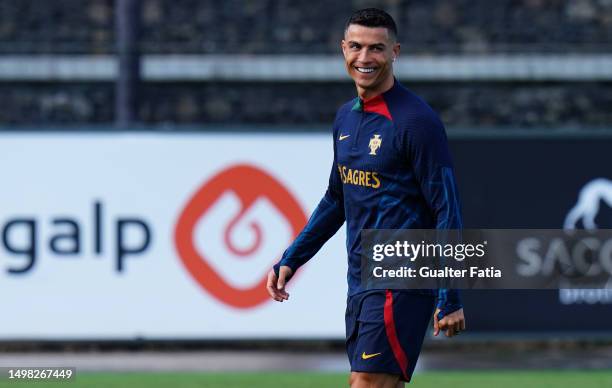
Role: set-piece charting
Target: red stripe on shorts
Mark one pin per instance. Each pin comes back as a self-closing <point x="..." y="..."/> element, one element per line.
<point x="398" y="352"/>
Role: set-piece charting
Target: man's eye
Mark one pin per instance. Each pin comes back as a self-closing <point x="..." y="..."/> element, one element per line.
<point x="354" y="46"/>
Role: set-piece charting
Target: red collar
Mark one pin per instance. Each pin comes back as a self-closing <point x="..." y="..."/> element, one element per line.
<point x="378" y="105"/>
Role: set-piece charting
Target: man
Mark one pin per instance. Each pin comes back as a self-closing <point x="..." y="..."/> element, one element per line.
<point x="391" y="170"/>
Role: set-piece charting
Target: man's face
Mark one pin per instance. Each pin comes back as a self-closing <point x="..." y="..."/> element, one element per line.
<point x="368" y="54"/>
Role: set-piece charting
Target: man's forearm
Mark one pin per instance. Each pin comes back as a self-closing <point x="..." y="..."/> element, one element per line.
<point x="327" y="218"/>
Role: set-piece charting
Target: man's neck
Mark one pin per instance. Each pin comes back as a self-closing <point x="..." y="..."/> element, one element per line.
<point x="366" y="94"/>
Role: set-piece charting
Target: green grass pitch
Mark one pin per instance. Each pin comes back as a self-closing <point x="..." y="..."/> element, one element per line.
<point x="467" y="379"/>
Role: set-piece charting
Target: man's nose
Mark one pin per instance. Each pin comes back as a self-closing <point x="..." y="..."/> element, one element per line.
<point x="363" y="56"/>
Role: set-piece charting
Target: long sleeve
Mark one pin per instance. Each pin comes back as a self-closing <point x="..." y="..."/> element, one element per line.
<point x="430" y="156"/>
<point x="324" y="222"/>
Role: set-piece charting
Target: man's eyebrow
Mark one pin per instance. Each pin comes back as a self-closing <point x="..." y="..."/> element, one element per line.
<point x="371" y="45"/>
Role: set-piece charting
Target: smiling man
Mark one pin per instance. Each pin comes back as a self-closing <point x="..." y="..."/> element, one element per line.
<point x="392" y="170"/>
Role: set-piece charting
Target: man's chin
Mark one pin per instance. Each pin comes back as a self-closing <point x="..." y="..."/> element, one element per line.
<point x="365" y="84"/>
<point x="361" y="79"/>
<point x="365" y="79"/>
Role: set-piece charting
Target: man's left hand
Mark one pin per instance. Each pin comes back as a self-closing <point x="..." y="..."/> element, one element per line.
<point x="453" y="323"/>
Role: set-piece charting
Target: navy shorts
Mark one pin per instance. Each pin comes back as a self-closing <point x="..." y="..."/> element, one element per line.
<point x="385" y="330"/>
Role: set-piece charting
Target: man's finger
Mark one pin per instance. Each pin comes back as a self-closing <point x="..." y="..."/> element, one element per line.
<point x="270" y="284"/>
<point x="450" y="332"/>
<point x="281" y="281"/>
<point x="436" y="324"/>
<point x="462" y="324"/>
<point x="458" y="326"/>
<point x="445" y="326"/>
<point x="283" y="274"/>
<point x="449" y="325"/>
<point x="271" y="287"/>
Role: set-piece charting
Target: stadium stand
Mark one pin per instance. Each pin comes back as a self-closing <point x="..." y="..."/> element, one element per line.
<point x="461" y="105"/>
<point x="290" y="27"/>
<point x="273" y="27"/>
<point x="56" y="27"/>
<point x="53" y="103"/>
<point x="266" y="28"/>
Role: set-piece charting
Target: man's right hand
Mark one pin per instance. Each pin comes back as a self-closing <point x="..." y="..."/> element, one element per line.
<point x="276" y="285"/>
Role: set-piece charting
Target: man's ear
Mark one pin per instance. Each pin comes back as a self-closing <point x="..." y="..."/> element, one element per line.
<point x="396" y="51"/>
<point x="343" y="47"/>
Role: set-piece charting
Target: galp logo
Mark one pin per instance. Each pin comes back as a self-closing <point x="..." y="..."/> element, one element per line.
<point x="233" y="229"/>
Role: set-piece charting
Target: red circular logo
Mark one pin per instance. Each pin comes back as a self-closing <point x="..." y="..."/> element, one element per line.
<point x="248" y="184"/>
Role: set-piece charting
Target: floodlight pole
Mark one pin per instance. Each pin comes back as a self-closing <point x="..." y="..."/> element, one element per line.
<point x="127" y="26"/>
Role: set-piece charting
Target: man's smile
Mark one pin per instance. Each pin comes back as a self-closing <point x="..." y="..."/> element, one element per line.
<point x="365" y="70"/>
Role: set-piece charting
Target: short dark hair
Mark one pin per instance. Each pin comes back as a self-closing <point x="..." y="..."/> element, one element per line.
<point x="373" y="17"/>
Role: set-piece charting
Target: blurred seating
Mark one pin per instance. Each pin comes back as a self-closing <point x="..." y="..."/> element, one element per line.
<point x="461" y="104"/>
<point x="54" y="104"/>
<point x="428" y="27"/>
<point x="56" y="27"/>
<point x="300" y="26"/>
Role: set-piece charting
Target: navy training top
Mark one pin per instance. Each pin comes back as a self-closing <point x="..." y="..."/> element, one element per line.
<point x="392" y="169"/>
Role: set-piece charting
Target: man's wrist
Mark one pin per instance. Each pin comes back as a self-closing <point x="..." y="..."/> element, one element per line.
<point x="277" y="266"/>
<point x="447" y="308"/>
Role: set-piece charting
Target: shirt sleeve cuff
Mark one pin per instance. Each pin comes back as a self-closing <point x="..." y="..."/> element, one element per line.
<point x="449" y="301"/>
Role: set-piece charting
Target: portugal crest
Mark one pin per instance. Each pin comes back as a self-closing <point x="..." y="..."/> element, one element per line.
<point x="375" y="143"/>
